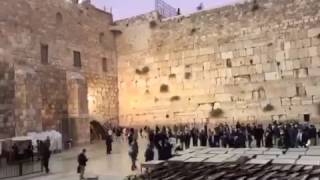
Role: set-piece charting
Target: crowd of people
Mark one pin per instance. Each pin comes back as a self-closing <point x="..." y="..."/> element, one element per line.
<point x="168" y="140"/>
<point x="280" y="135"/>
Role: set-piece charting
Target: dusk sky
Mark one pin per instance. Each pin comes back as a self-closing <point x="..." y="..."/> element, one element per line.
<point x="126" y="8"/>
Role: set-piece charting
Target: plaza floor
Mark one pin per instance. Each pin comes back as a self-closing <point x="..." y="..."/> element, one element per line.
<point x="107" y="167"/>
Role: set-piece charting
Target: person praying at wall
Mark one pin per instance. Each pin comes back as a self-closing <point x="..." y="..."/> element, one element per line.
<point x="109" y="141"/>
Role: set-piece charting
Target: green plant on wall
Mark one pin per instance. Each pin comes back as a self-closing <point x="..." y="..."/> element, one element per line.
<point x="143" y="71"/>
<point x="268" y="107"/>
<point x="175" y="98"/>
<point x="164" y="88"/>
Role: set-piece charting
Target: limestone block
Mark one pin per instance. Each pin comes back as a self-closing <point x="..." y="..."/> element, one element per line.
<point x="307" y="100"/>
<point x="272" y="76"/>
<point x="313" y="32"/>
<point x="315" y="61"/>
<point x="287" y="74"/>
<point x="292" y="54"/>
<point x="313" y="51"/>
<point x="285" y="102"/>
<point x="315" y="99"/>
<point x="227" y="55"/>
<point x="223" y="97"/>
<point x="312" y="90"/>
<point x="296" y="64"/>
<point x="259" y="68"/>
<point x="235" y="71"/>
<point x="305" y="62"/>
<point x="314" y="71"/>
<point x="249" y="52"/>
<point x="257" y="78"/>
<point x="289" y="65"/>
<point x="296" y="101"/>
<point x="303" y="53"/>
<point x="280" y="56"/>
<point x="205" y="51"/>
<point x="287" y="45"/>
<point x="291" y="91"/>
<point x="203" y="58"/>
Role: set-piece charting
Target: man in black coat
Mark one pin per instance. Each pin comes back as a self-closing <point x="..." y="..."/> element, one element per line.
<point x="82" y="162"/>
<point x="109" y="141"/>
<point x="45" y="154"/>
<point x="258" y="134"/>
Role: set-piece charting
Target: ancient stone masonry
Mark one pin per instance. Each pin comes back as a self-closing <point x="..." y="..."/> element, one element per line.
<point x="57" y="68"/>
<point x="254" y="61"/>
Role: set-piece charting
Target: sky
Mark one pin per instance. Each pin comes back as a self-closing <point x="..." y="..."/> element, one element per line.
<point x="128" y="8"/>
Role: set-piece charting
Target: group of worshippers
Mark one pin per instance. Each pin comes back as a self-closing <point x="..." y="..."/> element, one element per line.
<point x="282" y="135"/>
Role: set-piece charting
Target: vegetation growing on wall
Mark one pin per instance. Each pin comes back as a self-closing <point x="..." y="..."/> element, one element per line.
<point x="216" y="112"/>
<point x="153" y="24"/>
<point x="143" y="71"/>
<point x="187" y="75"/>
<point x="268" y="107"/>
<point x="255" y="6"/>
<point x="175" y="98"/>
<point x="172" y="76"/>
<point x="318" y="36"/>
<point x="164" y="88"/>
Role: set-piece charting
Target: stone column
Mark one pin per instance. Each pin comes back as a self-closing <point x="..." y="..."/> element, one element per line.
<point x="79" y="124"/>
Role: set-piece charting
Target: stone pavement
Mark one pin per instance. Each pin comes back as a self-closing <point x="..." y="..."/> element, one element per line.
<point x="112" y="167"/>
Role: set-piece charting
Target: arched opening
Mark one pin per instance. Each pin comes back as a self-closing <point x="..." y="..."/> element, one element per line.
<point x="59" y="18"/>
<point x="97" y="131"/>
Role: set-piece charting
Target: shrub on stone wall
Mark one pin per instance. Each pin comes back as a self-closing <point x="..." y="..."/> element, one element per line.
<point x="156" y="99"/>
<point x="175" y="98"/>
<point x="153" y="24"/>
<point x="172" y="76"/>
<point x="143" y="71"/>
<point x="318" y="36"/>
<point x="164" y="88"/>
<point x="216" y="112"/>
<point x="187" y="75"/>
<point x="255" y="6"/>
<point x="268" y="107"/>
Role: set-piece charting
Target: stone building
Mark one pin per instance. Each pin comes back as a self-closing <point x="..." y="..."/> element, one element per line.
<point x="62" y="63"/>
<point x="57" y="68"/>
<point x="252" y="62"/>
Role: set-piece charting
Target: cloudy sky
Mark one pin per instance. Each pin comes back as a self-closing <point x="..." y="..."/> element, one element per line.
<point x="126" y="8"/>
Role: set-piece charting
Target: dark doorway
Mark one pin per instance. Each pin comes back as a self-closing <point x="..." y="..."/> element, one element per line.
<point x="97" y="131"/>
<point x="306" y="117"/>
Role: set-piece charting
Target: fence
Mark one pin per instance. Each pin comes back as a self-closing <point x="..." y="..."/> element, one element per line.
<point x="164" y="9"/>
<point x="20" y="168"/>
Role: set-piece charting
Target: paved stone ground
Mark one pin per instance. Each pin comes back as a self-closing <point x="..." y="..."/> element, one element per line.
<point x="112" y="167"/>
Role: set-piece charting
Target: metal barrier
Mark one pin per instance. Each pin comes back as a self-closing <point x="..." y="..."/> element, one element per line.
<point x="20" y="168"/>
<point x="164" y="9"/>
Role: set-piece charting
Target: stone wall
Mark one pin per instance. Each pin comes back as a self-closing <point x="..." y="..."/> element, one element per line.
<point x="41" y="90"/>
<point x="254" y="61"/>
<point x="7" y="125"/>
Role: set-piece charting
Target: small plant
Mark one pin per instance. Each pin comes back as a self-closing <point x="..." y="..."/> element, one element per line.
<point x="164" y="88"/>
<point x="318" y="36"/>
<point x="167" y="116"/>
<point x="255" y="6"/>
<point x="192" y="31"/>
<point x="153" y="24"/>
<point x="268" y="107"/>
<point x="147" y="91"/>
<point x="269" y="44"/>
<point x="156" y="99"/>
<point x="216" y="112"/>
<point x="187" y="75"/>
<point x="172" y="76"/>
<point x="229" y="63"/>
<point x="175" y="98"/>
<point x="143" y="71"/>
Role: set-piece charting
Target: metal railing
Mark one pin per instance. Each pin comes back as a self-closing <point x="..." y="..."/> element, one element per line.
<point x="164" y="9"/>
<point x="20" y="168"/>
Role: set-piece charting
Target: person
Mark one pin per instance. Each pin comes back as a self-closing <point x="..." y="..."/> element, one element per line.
<point x="194" y="134"/>
<point x="82" y="162"/>
<point x="269" y="139"/>
<point x="46" y="153"/>
<point x="29" y="151"/>
<point x="313" y="135"/>
<point x="203" y="138"/>
<point x="258" y="135"/>
<point x="109" y="141"/>
<point x="133" y="152"/>
<point x="149" y="154"/>
<point x="187" y="137"/>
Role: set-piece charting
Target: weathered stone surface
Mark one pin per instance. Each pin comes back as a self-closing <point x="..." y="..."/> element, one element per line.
<point x="38" y="96"/>
<point x="246" y="50"/>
